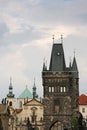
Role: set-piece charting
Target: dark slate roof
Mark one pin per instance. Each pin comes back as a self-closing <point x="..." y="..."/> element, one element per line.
<point x="57" y="62"/>
<point x="74" y="65"/>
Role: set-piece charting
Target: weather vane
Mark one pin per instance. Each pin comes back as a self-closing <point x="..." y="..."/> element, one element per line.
<point x="61" y="38"/>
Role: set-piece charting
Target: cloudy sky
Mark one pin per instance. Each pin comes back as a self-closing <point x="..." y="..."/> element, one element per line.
<point x="26" y="29"/>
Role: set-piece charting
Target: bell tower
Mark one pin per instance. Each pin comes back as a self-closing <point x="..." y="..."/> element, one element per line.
<point x="60" y="89"/>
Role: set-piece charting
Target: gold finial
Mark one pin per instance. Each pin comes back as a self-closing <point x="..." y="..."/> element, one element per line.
<point x="61" y="38"/>
<point x="53" y="38"/>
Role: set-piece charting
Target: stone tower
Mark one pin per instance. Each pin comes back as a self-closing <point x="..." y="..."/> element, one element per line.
<point x="60" y="89"/>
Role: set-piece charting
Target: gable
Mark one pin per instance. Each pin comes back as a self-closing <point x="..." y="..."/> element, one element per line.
<point x="33" y="102"/>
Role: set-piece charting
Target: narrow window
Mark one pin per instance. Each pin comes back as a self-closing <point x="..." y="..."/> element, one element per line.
<point x="49" y="89"/>
<point x="61" y="89"/>
<point x="64" y="89"/>
<point x="52" y="89"/>
<point x="83" y="110"/>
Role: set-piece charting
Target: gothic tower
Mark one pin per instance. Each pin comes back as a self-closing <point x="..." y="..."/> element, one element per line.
<point x="60" y="89"/>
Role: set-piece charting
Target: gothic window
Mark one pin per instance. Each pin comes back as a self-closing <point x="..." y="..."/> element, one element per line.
<point x="62" y="89"/>
<point x="52" y="89"/>
<point x="49" y="89"/>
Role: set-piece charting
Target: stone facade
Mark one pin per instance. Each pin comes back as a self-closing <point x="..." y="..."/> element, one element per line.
<point x="61" y="91"/>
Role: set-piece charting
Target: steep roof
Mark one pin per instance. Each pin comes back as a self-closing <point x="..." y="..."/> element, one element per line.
<point x="74" y="65"/>
<point x="57" y="62"/>
<point x="83" y="99"/>
<point x="26" y="93"/>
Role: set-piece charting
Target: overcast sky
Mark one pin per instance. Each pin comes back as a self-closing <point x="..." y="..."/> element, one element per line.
<point x="26" y="29"/>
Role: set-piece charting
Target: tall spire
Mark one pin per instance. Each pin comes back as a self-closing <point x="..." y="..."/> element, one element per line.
<point x="34" y="90"/>
<point x="44" y="65"/>
<point x="57" y="62"/>
<point x="10" y="94"/>
<point x="70" y="65"/>
<point x="74" y="65"/>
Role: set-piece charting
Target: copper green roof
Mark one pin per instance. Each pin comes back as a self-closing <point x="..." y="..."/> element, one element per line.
<point x="26" y="94"/>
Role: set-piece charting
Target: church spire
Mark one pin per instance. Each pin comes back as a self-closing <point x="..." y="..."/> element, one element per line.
<point x="74" y="65"/>
<point x="10" y="94"/>
<point x="44" y="65"/>
<point x="34" y="90"/>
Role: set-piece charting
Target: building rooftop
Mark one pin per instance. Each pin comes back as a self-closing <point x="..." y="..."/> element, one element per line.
<point x="83" y="99"/>
<point x="26" y="94"/>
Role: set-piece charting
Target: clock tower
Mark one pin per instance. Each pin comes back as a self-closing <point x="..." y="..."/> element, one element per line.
<point x="60" y="89"/>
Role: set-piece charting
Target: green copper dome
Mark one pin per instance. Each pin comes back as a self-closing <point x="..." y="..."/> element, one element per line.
<point x="26" y="94"/>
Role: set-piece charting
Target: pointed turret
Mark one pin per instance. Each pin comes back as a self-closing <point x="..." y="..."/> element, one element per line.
<point x="74" y="65"/>
<point x="57" y="62"/>
<point x="44" y="65"/>
<point x="34" y="91"/>
<point x="10" y="94"/>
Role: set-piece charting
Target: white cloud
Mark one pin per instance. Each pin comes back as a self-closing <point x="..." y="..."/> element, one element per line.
<point x="26" y="29"/>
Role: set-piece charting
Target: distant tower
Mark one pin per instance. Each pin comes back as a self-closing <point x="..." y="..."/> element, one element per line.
<point x="34" y="90"/>
<point x="10" y="96"/>
<point x="61" y="90"/>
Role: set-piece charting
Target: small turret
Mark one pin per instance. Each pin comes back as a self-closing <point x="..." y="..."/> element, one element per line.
<point x="10" y="94"/>
<point x="44" y="65"/>
<point x="34" y="91"/>
<point x="74" y="65"/>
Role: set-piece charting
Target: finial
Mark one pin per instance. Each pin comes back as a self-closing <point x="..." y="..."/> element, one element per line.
<point x="34" y="80"/>
<point x="53" y="38"/>
<point x="74" y="52"/>
<point x="70" y="62"/>
<point x="10" y="81"/>
<point x="61" y="38"/>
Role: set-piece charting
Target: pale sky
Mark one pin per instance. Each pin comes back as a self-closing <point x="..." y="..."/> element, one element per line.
<point x="26" y="29"/>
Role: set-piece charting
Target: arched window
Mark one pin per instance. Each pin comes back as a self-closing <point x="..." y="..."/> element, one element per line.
<point x="10" y="103"/>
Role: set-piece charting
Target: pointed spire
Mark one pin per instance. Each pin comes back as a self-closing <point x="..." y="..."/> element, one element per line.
<point x="57" y="61"/>
<point x="34" y="90"/>
<point x="74" y="65"/>
<point x="44" y="65"/>
<point x="10" y="86"/>
<point x="10" y="94"/>
<point x="70" y="64"/>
